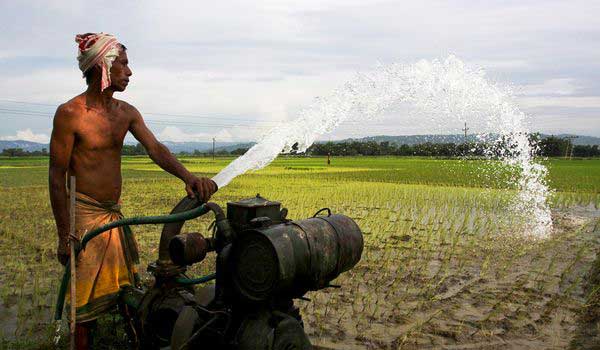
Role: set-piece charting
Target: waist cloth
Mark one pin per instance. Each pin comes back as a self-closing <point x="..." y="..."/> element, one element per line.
<point x="108" y="261"/>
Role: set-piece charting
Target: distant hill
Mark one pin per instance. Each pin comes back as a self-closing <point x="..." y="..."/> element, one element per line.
<point x="24" y="145"/>
<point x="177" y="147"/>
<point x="581" y="140"/>
<point x="414" y="139"/>
<point x="235" y="146"/>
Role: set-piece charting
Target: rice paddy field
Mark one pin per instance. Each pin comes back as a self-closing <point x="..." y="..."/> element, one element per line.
<point x="446" y="264"/>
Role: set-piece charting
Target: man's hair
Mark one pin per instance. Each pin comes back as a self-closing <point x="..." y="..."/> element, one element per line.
<point x="88" y="73"/>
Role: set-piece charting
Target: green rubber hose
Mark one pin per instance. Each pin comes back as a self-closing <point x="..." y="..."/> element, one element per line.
<point x="192" y="281"/>
<point x="144" y="220"/>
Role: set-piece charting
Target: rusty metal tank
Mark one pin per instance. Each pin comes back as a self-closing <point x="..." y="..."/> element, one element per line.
<point x="291" y="258"/>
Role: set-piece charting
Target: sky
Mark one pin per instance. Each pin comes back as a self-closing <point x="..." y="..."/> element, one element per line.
<point x="233" y="69"/>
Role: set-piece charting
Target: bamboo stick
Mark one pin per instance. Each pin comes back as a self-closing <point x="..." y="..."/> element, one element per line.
<point x="73" y="242"/>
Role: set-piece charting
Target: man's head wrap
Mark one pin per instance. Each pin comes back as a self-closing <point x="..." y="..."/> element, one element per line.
<point x="97" y="49"/>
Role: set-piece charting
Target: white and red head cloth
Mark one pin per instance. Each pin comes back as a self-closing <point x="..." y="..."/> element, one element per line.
<point x="97" y="49"/>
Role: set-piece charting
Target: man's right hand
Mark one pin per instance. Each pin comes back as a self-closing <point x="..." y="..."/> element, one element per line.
<point x="63" y="252"/>
<point x="204" y="186"/>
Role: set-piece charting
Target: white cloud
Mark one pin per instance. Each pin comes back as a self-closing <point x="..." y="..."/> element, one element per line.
<point x="566" y="101"/>
<point x="27" y="135"/>
<point x="572" y="123"/>
<point x="44" y="86"/>
<point x="4" y="54"/>
<point x="267" y="59"/>
<point x="565" y="86"/>
<point x="175" y="134"/>
<point x="508" y="64"/>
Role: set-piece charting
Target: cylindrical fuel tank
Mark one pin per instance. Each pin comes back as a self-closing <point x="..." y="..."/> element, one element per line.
<point x="290" y="259"/>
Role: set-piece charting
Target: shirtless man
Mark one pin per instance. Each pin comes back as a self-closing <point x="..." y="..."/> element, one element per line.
<point x="86" y="142"/>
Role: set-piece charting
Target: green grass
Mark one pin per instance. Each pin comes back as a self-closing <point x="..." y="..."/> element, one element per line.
<point x="439" y="241"/>
<point x="564" y="175"/>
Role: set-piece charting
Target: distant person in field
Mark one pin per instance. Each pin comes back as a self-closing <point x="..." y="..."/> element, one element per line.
<point x="86" y="142"/>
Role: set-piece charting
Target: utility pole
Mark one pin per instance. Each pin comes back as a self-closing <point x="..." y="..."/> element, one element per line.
<point x="465" y="130"/>
<point x="213" y="148"/>
<point x="570" y="143"/>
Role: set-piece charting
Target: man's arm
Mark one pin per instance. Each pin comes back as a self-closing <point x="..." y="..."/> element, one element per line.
<point x="61" y="146"/>
<point x="161" y="155"/>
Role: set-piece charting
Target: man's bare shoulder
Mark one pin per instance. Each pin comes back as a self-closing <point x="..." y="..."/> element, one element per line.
<point x="72" y="107"/>
<point x="129" y="110"/>
<point x="68" y="111"/>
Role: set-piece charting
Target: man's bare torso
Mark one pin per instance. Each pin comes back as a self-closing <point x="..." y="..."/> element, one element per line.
<point x="96" y="156"/>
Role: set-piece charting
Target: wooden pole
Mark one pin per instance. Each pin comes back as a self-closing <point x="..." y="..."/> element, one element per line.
<point x="73" y="242"/>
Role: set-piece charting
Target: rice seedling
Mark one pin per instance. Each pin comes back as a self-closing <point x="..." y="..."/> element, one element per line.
<point x="444" y="262"/>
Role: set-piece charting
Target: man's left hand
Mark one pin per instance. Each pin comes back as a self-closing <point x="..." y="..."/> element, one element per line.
<point x="203" y="186"/>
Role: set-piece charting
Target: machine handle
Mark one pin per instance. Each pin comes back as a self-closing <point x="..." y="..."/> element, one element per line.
<point x="322" y="209"/>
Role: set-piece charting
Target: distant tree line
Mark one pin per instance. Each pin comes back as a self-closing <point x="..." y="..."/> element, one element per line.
<point x="219" y="152"/>
<point x="19" y="152"/>
<point x="547" y="147"/>
<point x="134" y="150"/>
<point x="553" y="146"/>
<point x="372" y="148"/>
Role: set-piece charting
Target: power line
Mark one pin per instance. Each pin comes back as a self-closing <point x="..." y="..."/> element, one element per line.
<point x="218" y="117"/>
<point x="212" y="117"/>
<point x="45" y="114"/>
<point x="201" y="116"/>
<point x="226" y="126"/>
<point x="29" y="103"/>
<point x="12" y="113"/>
<point x="347" y="123"/>
<point x="22" y="111"/>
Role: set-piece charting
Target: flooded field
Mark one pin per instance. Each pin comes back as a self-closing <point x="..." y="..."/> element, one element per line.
<point x="445" y="263"/>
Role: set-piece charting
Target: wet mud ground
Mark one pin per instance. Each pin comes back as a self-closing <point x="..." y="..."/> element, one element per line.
<point x="441" y="267"/>
<point x="503" y="293"/>
<point x="520" y="299"/>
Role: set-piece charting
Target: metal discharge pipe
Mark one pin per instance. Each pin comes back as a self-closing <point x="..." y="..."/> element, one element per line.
<point x="173" y="228"/>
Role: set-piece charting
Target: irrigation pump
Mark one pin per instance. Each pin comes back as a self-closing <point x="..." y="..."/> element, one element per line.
<point x="263" y="262"/>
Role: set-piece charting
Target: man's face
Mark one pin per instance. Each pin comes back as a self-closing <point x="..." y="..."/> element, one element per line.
<point x="120" y="72"/>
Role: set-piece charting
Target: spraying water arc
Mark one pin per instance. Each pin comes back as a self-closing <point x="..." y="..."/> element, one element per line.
<point x="445" y="90"/>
